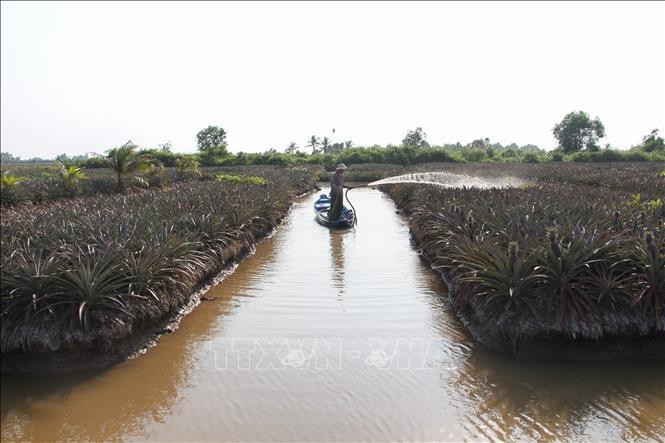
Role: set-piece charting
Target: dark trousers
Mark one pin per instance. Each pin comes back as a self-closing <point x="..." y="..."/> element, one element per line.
<point x="336" y="205"/>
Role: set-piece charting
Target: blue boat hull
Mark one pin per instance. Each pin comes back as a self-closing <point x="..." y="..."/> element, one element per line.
<point x="321" y="208"/>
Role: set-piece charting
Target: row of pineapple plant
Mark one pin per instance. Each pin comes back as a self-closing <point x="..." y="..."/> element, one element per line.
<point x="552" y="258"/>
<point x="85" y="272"/>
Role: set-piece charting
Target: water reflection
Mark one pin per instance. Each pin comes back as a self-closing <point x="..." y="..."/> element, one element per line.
<point x="516" y="400"/>
<point x="99" y="406"/>
<point x="337" y="259"/>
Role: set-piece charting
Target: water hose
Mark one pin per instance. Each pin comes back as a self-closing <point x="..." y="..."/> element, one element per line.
<point x="355" y="213"/>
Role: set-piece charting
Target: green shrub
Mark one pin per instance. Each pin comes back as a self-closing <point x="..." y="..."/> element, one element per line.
<point x="166" y="158"/>
<point x="94" y="163"/>
<point x="242" y="179"/>
<point x="557" y="155"/>
<point x="530" y="157"/>
<point x="636" y="156"/>
<point x="473" y="155"/>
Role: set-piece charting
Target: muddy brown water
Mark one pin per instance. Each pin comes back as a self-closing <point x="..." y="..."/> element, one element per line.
<point x="335" y="336"/>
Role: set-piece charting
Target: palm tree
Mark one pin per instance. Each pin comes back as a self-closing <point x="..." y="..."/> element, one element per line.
<point x="348" y="144"/>
<point x="7" y="184"/>
<point x="313" y="143"/>
<point x="291" y="149"/>
<point x="8" y="181"/>
<point x="71" y="176"/>
<point x="187" y="167"/>
<point x="124" y="160"/>
<point x="325" y="143"/>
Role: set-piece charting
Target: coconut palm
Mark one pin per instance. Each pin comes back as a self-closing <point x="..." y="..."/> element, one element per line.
<point x="187" y="167"/>
<point x="125" y="160"/>
<point x="313" y="143"/>
<point x="325" y="144"/>
<point x="71" y="176"/>
<point x="7" y="184"/>
<point x="8" y="181"/>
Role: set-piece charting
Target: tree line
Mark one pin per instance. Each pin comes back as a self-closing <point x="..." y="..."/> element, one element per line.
<point x="577" y="135"/>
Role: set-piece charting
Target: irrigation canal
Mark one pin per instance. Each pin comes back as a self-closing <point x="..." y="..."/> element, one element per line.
<point x="335" y="336"/>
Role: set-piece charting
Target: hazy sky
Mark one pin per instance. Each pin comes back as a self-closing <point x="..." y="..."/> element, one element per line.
<point x="81" y="77"/>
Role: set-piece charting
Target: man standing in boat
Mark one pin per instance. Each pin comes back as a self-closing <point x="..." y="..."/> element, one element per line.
<point x="337" y="192"/>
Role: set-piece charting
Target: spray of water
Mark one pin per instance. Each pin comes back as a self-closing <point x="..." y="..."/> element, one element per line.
<point x="448" y="180"/>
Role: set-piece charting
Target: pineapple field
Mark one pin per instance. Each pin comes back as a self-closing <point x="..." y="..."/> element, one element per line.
<point x="575" y="256"/>
<point x="82" y="275"/>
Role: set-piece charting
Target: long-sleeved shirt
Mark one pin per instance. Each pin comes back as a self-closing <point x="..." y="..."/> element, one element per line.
<point x="336" y="184"/>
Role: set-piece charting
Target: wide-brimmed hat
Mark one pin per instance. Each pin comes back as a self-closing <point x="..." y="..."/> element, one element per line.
<point x="341" y="166"/>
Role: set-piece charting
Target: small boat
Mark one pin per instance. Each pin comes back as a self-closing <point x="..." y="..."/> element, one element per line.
<point x="321" y="208"/>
